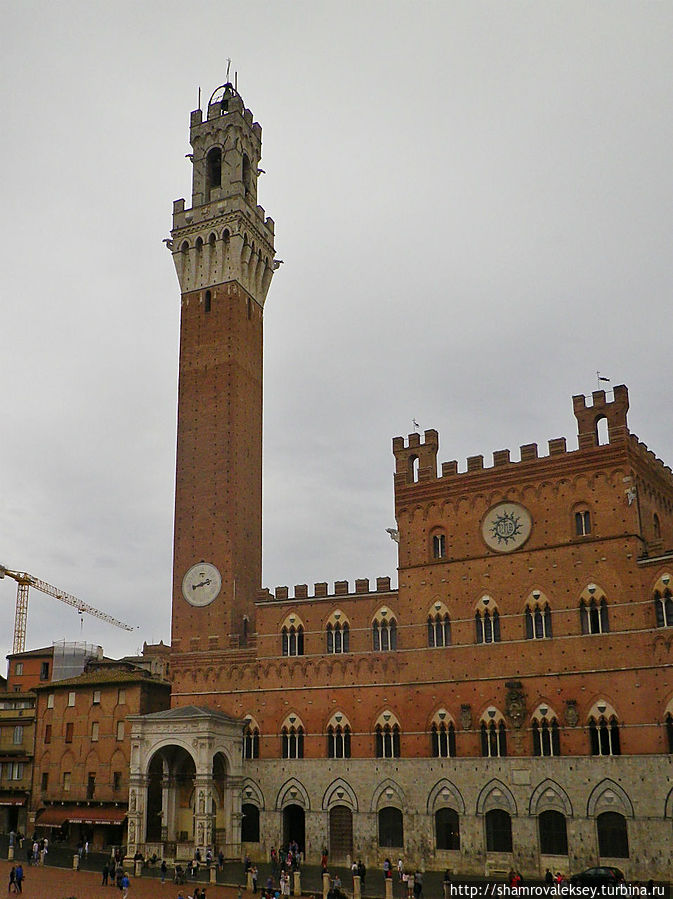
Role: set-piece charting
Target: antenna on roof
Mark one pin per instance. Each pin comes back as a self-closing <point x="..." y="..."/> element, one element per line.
<point x="599" y="378"/>
<point x="199" y="103"/>
<point x="228" y="67"/>
<point x="236" y="81"/>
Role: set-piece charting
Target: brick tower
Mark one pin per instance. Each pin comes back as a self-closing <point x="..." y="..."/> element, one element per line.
<point x="223" y="252"/>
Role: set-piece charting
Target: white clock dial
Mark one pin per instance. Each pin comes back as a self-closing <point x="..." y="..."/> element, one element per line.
<point x="202" y="584"/>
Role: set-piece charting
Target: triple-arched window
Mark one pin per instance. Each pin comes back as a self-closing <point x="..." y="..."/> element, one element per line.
<point x="338" y="737"/>
<point x="384" y="631"/>
<point x="439" y="625"/>
<point x="292" y="634"/>
<point x="594" y="611"/>
<point x="604" y="730"/>
<point x="387" y="736"/>
<point x="546" y="733"/>
<point x="337" y="632"/>
<point x="487" y="621"/>
<point x="493" y="734"/>
<point x="443" y="735"/>
<point x="537" y="617"/>
<point x="292" y="738"/>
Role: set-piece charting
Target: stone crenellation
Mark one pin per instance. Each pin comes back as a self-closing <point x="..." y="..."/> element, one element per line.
<point x="321" y="590"/>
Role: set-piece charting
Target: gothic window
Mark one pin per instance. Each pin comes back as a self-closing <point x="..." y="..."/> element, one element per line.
<point x="384" y="632"/>
<point x="447" y="829"/>
<point x="213" y="170"/>
<point x="594" y="611"/>
<point x="337" y="632"/>
<point x="438" y="545"/>
<point x="656" y="525"/>
<point x="582" y="523"/>
<point x="338" y="737"/>
<point x="412" y="470"/>
<point x="293" y="740"/>
<point x="613" y="837"/>
<point x="250" y="823"/>
<point x="387" y="737"/>
<point x="391" y="828"/>
<point x="553" y="833"/>
<point x="498" y="831"/>
<point x="663" y="602"/>
<point x="246" y="174"/>
<point x="207" y="301"/>
<point x="292" y="635"/>
<point x="487" y="621"/>
<point x="493" y="735"/>
<point x="546" y="733"/>
<point x="251" y="740"/>
<point x="604" y="730"/>
<point x="537" y="617"/>
<point x="439" y="626"/>
<point x="443" y="736"/>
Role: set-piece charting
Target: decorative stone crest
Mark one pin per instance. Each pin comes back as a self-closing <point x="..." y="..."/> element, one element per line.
<point x="466" y="716"/>
<point x="515" y="703"/>
<point x="571" y="713"/>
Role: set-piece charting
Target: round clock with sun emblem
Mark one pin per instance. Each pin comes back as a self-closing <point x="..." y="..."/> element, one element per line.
<point x="506" y="527"/>
<point x="202" y="584"/>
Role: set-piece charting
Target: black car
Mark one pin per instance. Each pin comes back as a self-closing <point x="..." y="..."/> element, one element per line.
<point x="598" y="877"/>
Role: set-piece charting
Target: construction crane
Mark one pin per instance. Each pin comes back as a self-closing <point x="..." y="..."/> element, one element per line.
<point x="24" y="581"/>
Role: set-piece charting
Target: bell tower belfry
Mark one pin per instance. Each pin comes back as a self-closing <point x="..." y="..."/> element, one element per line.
<point x="224" y="257"/>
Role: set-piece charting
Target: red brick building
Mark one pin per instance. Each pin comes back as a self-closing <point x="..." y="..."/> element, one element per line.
<point x="508" y="704"/>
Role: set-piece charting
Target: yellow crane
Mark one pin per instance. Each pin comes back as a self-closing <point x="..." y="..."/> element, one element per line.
<point x="24" y="581"/>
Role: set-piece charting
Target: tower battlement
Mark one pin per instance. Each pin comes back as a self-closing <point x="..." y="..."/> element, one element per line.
<point x="321" y="590"/>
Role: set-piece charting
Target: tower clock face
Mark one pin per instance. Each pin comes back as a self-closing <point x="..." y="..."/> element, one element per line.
<point x="202" y="584"/>
<point x="506" y="527"/>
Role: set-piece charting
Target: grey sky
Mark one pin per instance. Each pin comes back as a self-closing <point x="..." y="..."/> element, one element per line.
<point x="474" y="205"/>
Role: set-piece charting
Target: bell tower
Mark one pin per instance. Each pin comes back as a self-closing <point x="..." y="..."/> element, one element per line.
<point x="224" y="257"/>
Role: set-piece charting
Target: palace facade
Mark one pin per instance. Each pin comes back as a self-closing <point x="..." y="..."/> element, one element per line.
<point x="509" y="703"/>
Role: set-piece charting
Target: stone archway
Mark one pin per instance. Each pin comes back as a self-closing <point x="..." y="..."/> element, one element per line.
<point x="185" y="783"/>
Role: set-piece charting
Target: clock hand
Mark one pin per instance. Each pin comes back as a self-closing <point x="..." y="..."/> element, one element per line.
<point x="205" y="583"/>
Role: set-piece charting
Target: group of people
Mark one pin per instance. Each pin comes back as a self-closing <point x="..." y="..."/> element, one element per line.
<point x="16" y="879"/>
<point x="198" y="894"/>
<point x="550" y="878"/>
<point x="113" y="874"/>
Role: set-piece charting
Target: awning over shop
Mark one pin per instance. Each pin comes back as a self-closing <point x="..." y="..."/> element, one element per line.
<point x="12" y="800"/>
<point x="56" y="815"/>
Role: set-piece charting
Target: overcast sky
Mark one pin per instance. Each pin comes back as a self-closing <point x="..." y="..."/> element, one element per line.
<point x="474" y="204"/>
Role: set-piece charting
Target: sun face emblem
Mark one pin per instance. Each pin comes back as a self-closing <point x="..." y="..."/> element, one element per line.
<point x="506" y="527"/>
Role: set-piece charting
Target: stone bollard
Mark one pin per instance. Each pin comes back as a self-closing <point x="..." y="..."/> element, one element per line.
<point x="75" y="862"/>
<point x="446" y="889"/>
<point x="249" y="885"/>
<point x="10" y="854"/>
<point x="325" y="885"/>
<point x="213" y="873"/>
<point x="389" y="888"/>
<point x="138" y="868"/>
<point x="357" y="893"/>
<point x="297" y="884"/>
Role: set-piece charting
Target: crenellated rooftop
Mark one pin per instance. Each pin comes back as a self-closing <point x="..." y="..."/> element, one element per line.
<point x="321" y="590"/>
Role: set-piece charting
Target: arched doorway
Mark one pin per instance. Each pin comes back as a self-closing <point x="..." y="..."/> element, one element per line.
<point x="340" y="833"/>
<point x="294" y="828"/>
<point x="170" y="796"/>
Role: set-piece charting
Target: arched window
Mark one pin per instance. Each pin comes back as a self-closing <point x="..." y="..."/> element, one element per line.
<point x="669" y="732"/>
<point x="251" y="740"/>
<point x="656" y="526"/>
<point x="553" y="833"/>
<point x="412" y="469"/>
<point x="493" y="735"/>
<point x="250" y="823"/>
<point x="439" y="625"/>
<point x="292" y="635"/>
<point x="537" y="617"/>
<point x="438" y="545"/>
<point x="498" y="831"/>
<point x="613" y="837"/>
<point x="487" y="621"/>
<point x="582" y="522"/>
<point x="447" y="829"/>
<point x="604" y="730"/>
<point x="207" y="301"/>
<point x="594" y="611"/>
<point x="546" y="733"/>
<point x="384" y="631"/>
<point x="337" y="632"/>
<point x="387" y="737"/>
<point x="292" y="738"/>
<point x="391" y="828"/>
<point x="213" y="170"/>
<point x="602" y="431"/>
<point x="338" y="737"/>
<point x="246" y="170"/>
<point x="443" y="736"/>
<point x="663" y="602"/>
